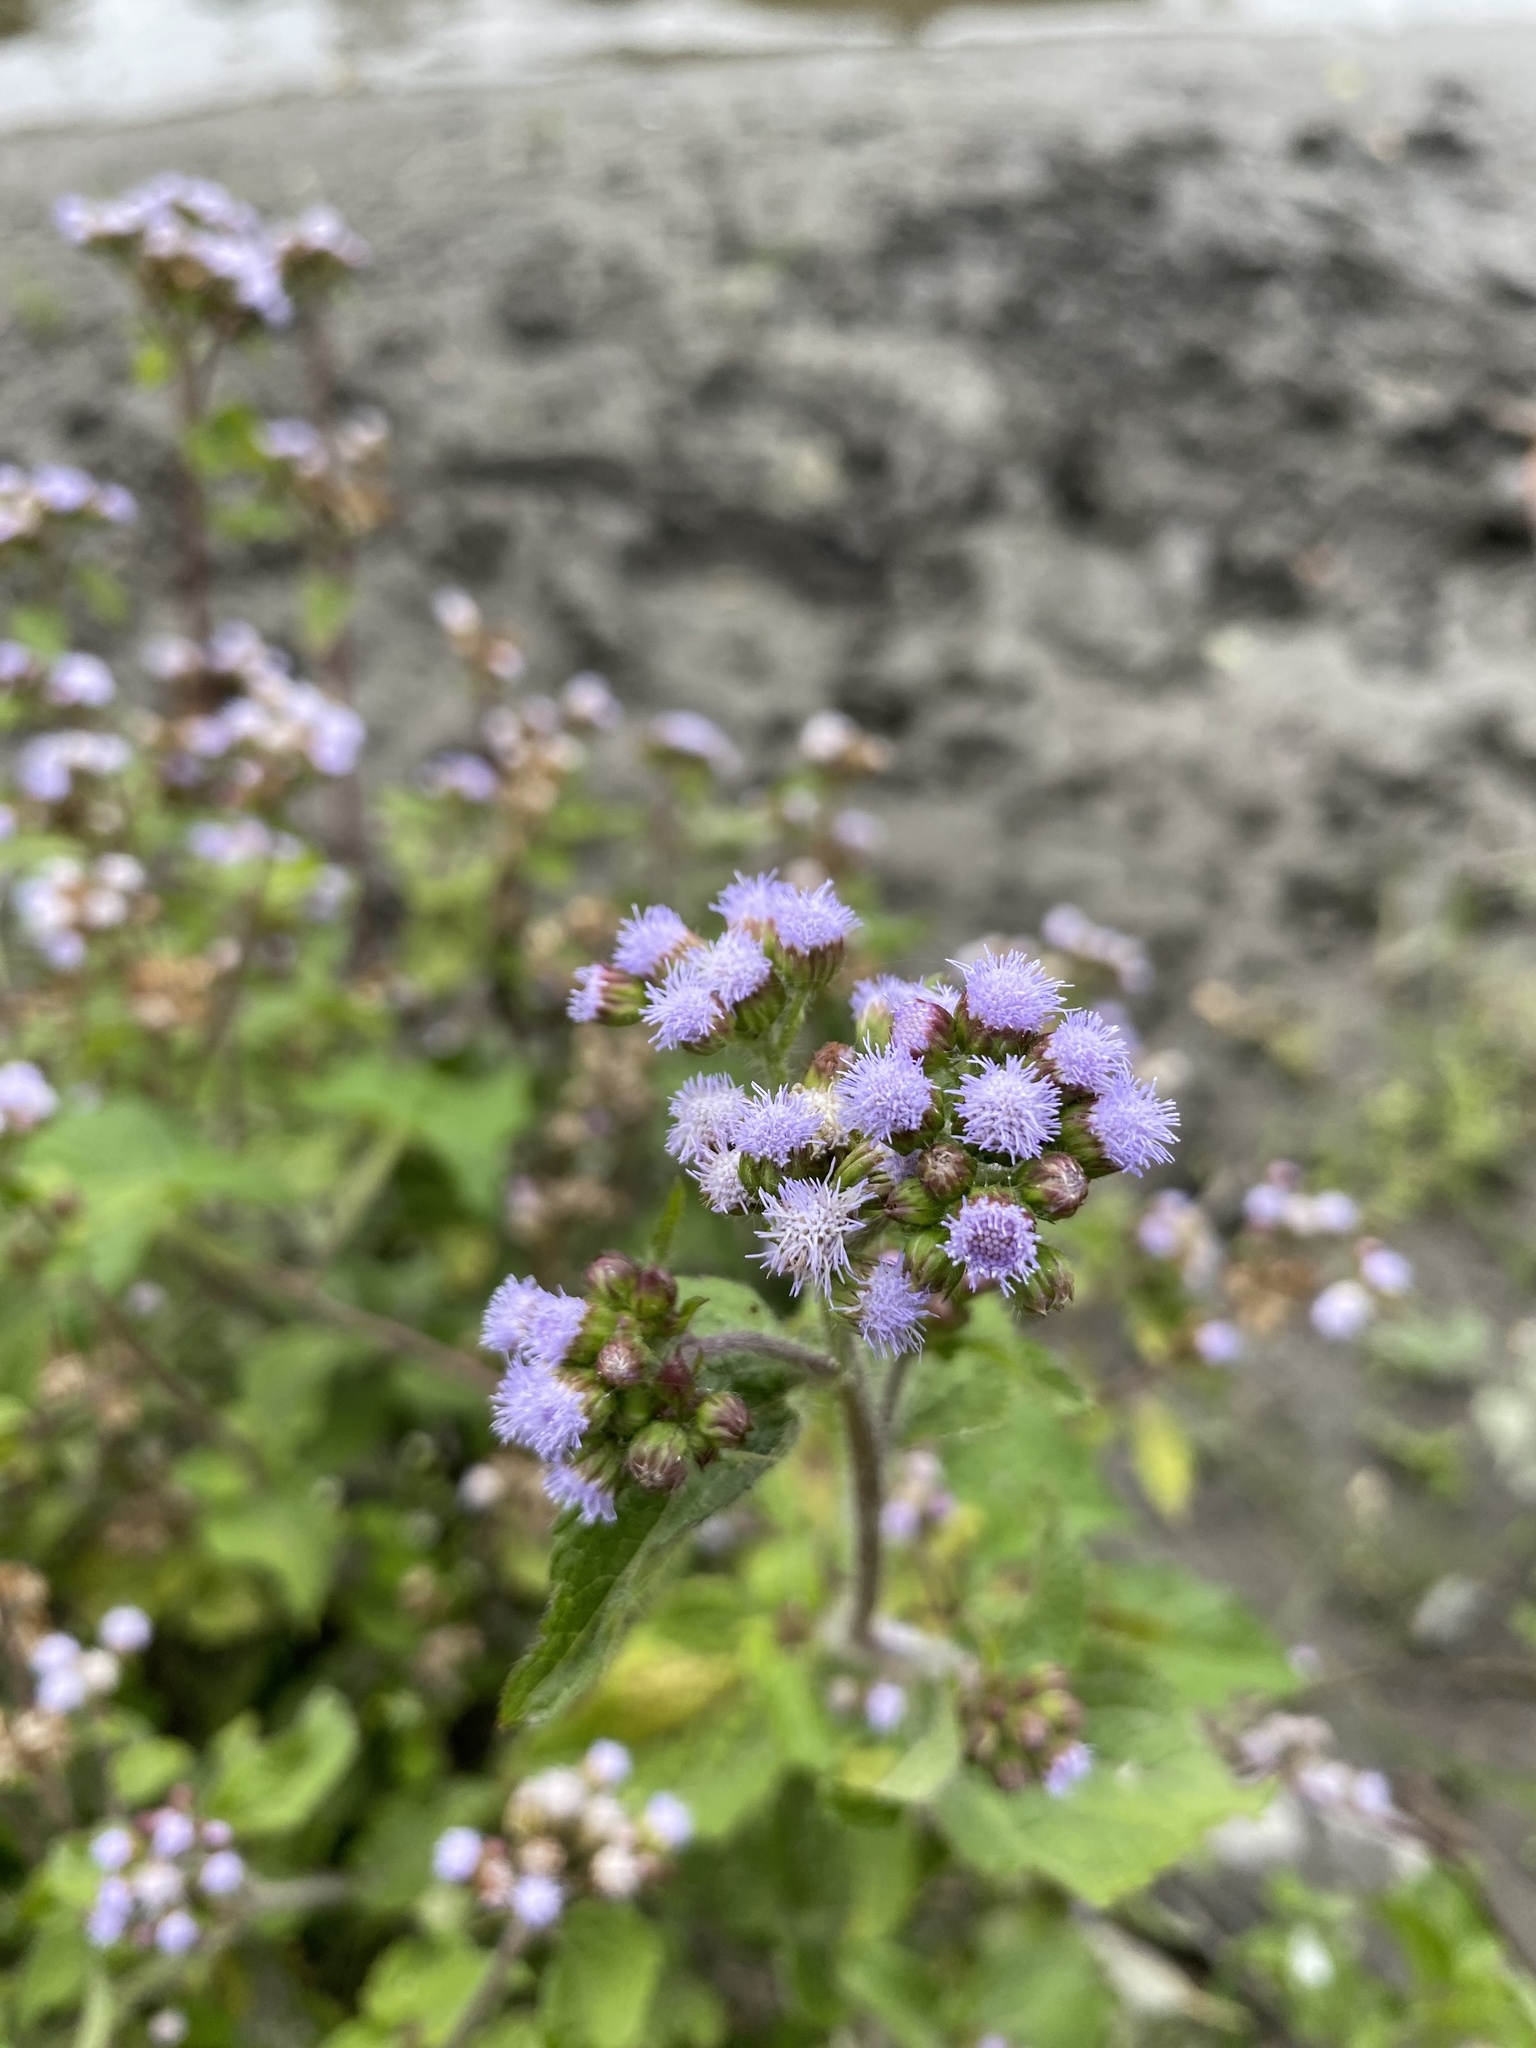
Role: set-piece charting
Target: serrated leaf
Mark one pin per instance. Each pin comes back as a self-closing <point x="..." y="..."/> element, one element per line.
<point x="422" y="1988"/>
<point x="1051" y="1625"/>
<point x="1163" y="1458"/>
<point x="601" y="1577"/>
<point x="597" y="1991"/>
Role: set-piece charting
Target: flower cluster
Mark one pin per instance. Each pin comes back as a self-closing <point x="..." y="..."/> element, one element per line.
<point x="1025" y="1731"/>
<point x="1279" y="1204"/>
<point x="1321" y="1801"/>
<point x="37" y="504"/>
<point x="264" y="723"/>
<point x="46" y="765"/>
<point x="494" y="657"/>
<point x="67" y="899"/>
<point x="26" y="1099"/>
<point x="920" y="1163"/>
<point x="340" y="475"/>
<point x="606" y="1388"/>
<point x="917" y="1501"/>
<point x="690" y="741"/>
<point x="159" y="1871"/>
<point x="67" y="1676"/>
<point x="567" y="1834"/>
<point x="198" y="253"/>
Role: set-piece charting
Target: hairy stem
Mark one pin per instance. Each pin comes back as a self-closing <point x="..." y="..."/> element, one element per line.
<point x="864" y="1469"/>
<point x="492" y="1986"/>
<point x="196" y="574"/>
<point x="817" y="1363"/>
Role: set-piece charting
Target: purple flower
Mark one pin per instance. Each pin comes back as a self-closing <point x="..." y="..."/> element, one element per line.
<point x="526" y="1321"/>
<point x="1009" y="1108"/>
<point x="1068" y="1768"/>
<point x="1218" y="1342"/>
<point x="112" y="1848"/>
<point x="568" y="1488"/>
<point x="1381" y="1268"/>
<point x="648" y="939"/>
<point x="705" y="1112"/>
<point x="588" y="700"/>
<point x="1341" y="1312"/>
<point x="667" y="1821"/>
<point x="695" y="738"/>
<point x="1134" y="1125"/>
<point x="15" y="664"/>
<point x="877" y="1000"/>
<point x="81" y="679"/>
<point x="539" y="1410"/>
<point x="25" y="1101"/>
<point x="607" y="1763"/>
<point x="456" y="1855"/>
<point x="1333" y="1213"/>
<point x="683" y="1009"/>
<point x="922" y="1019"/>
<point x="1086" y="1051"/>
<point x="1264" y="1206"/>
<point x="749" y="900"/>
<point x="62" y="489"/>
<point x="719" y="1179"/>
<point x="172" y="1833"/>
<point x="735" y="967"/>
<point x="810" y="920"/>
<point x="1009" y="992"/>
<point x="537" y="1901"/>
<point x="1163" y="1231"/>
<point x="177" y="1932"/>
<point x="776" y="1126"/>
<point x="892" y="1308"/>
<point x="994" y="1240"/>
<point x="109" y="1916"/>
<point x="117" y="505"/>
<point x="884" y="1094"/>
<point x="809" y="1223"/>
<point x="470" y="777"/>
<point x="885" y="1706"/>
<point x="223" y="1873"/>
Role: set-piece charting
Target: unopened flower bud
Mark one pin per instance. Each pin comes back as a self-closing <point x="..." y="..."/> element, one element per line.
<point x="923" y="1026"/>
<point x="827" y="1062"/>
<point x="724" y="1419"/>
<point x="612" y="1275"/>
<point x="605" y="995"/>
<point x="760" y="1011"/>
<point x="945" y="1170"/>
<point x="621" y="1362"/>
<point x="910" y="1202"/>
<point x="678" y="1373"/>
<point x="1049" y="1287"/>
<point x="658" y="1457"/>
<point x="655" y="1295"/>
<point x="1057" y="1185"/>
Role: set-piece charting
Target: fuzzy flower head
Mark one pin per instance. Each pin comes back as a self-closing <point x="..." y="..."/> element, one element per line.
<point x="683" y="1010"/>
<point x="1134" y="1125"/>
<point x="705" y="1113"/>
<point x="1218" y="1341"/>
<point x="1086" y="1051"/>
<point x="569" y="1488"/>
<point x="1068" y="1768"/>
<point x="892" y="1308"/>
<point x="776" y="1126"/>
<point x="1009" y="992"/>
<point x="811" y="921"/>
<point x="924" y="1018"/>
<point x="456" y="1855"/>
<point x="690" y="736"/>
<point x="807" y="1227"/>
<point x="747" y="904"/>
<point x="26" y="1099"/>
<point x="994" y="1240"/>
<point x="875" y="1002"/>
<point x="884" y="1095"/>
<point x="528" y="1323"/>
<point x="1009" y="1108"/>
<point x="1381" y="1268"/>
<point x="1342" y="1312"/>
<point x="648" y="939"/>
<point x="603" y="995"/>
<point x="735" y="967"/>
<point x="540" y="1411"/>
<point x="719" y="1177"/>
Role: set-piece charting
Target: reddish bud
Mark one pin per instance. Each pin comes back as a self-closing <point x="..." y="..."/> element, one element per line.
<point x="1056" y="1184"/>
<point x="612" y="1275"/>
<point x="827" y="1063"/>
<point x="945" y="1170"/>
<point x="724" y="1419"/>
<point x="658" y="1458"/>
<point x="621" y="1362"/>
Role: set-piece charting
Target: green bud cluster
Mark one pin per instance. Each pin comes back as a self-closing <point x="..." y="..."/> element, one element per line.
<point x="1016" y="1729"/>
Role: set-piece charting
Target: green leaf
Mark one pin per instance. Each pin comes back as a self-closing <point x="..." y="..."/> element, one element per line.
<point x="600" y="1577"/>
<point x="468" y="1121"/>
<point x="224" y="442"/>
<point x="144" y="1771"/>
<point x="1198" y="1637"/>
<point x="898" y="1988"/>
<point x="153" y="365"/>
<point x="326" y="604"/>
<point x="293" y="1535"/>
<point x="41" y="628"/>
<point x="726" y="1305"/>
<point x="1163" y="1457"/>
<point x="1051" y="1626"/>
<point x="102" y="593"/>
<point x="928" y="1765"/>
<point x="597" y="1992"/>
<point x="422" y="1987"/>
<point x="1453" y="1347"/>
<point x="1117" y="1830"/>
<point x="56" y="1971"/>
<point x="272" y="1787"/>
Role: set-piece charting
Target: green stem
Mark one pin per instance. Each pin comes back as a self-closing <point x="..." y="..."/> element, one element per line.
<point x="492" y="1986"/>
<point x="866" y="1480"/>
<point x="779" y="1041"/>
<point x="731" y="1342"/>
